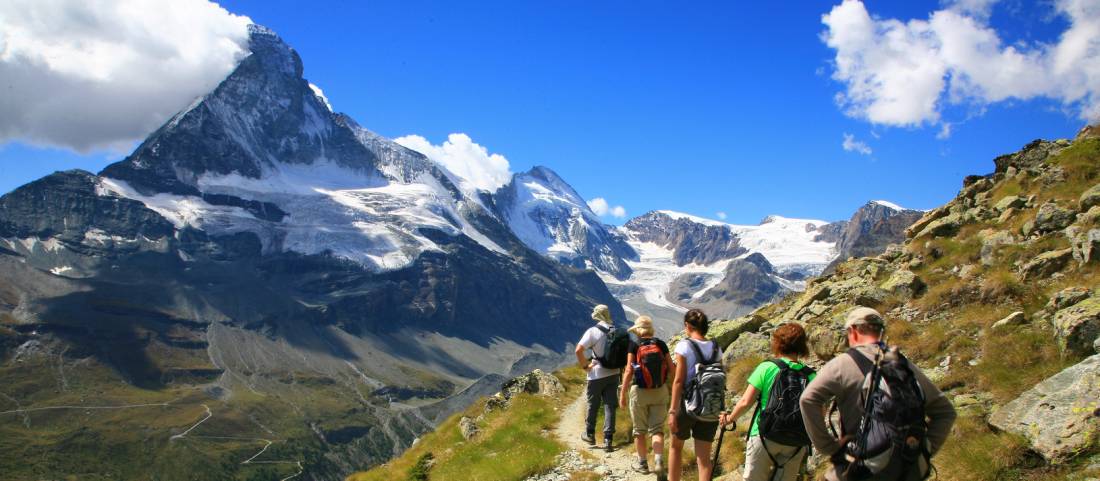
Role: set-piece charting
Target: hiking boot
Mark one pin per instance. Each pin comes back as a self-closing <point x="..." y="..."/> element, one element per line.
<point x="607" y="444"/>
<point x="641" y="466"/>
<point x="658" y="468"/>
<point x="589" y="438"/>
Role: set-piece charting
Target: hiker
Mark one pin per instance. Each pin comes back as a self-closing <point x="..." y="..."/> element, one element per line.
<point x="697" y="398"/>
<point x="776" y="452"/>
<point x="608" y="345"/>
<point x="645" y="377"/>
<point x="911" y="421"/>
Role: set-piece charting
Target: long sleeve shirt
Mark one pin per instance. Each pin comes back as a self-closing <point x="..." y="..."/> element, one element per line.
<point x="841" y="379"/>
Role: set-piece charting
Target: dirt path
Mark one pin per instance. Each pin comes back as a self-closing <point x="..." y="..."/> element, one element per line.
<point x="613" y="466"/>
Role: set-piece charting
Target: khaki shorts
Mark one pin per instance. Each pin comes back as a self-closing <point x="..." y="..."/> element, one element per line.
<point x="648" y="409"/>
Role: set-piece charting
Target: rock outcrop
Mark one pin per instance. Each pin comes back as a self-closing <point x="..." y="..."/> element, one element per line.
<point x="1060" y="416"/>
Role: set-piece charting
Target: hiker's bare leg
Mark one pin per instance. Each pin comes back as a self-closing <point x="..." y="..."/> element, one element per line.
<point x="675" y="455"/>
<point x="658" y="444"/>
<point x="639" y="445"/>
<point x="702" y="459"/>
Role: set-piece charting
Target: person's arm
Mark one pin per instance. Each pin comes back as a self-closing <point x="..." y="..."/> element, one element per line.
<point x="628" y="376"/>
<point x="747" y="401"/>
<point x="938" y="409"/>
<point x="677" y="391"/>
<point x="582" y="361"/>
<point x="817" y="395"/>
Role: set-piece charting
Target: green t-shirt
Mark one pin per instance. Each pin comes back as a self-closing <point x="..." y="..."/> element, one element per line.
<point x="762" y="379"/>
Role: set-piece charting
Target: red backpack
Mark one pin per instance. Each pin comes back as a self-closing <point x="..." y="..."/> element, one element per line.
<point x="650" y="365"/>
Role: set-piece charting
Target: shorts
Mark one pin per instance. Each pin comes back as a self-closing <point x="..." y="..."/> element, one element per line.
<point x="689" y="427"/>
<point x="648" y="409"/>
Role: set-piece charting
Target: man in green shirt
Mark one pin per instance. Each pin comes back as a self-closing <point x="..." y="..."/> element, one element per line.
<point x="766" y="459"/>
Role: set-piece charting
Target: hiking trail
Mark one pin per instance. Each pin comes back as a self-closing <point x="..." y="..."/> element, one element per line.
<point x="613" y="466"/>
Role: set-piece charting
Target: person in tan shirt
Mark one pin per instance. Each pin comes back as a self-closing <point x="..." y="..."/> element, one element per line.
<point x="841" y="379"/>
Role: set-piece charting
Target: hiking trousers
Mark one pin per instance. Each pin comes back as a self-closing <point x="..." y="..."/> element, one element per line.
<point x="758" y="466"/>
<point x="603" y="391"/>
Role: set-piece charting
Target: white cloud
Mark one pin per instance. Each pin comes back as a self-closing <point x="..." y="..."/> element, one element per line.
<point x="850" y="144"/>
<point x="945" y="131"/>
<point x="721" y="215"/>
<point x="472" y="163"/>
<point x="90" y="74"/>
<point x="600" y="206"/>
<point x="904" y="73"/>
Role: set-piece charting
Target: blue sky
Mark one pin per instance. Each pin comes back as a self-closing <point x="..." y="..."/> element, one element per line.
<point x="704" y="107"/>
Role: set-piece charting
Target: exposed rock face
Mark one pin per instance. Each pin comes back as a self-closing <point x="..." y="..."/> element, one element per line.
<point x="535" y="382"/>
<point x="554" y="220"/>
<point x="467" y="427"/>
<point x="873" y="227"/>
<point x="746" y="284"/>
<point x="690" y="241"/>
<point x="1078" y="325"/>
<point x="1061" y="415"/>
<point x="1090" y="198"/>
<point x="1051" y="218"/>
<point x="1046" y="264"/>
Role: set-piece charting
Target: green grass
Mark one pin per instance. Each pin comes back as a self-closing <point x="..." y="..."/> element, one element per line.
<point x="512" y="443"/>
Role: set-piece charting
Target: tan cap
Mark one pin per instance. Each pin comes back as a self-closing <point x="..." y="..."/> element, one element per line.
<point x="643" y="325"/>
<point x="601" y="313"/>
<point x="864" y="315"/>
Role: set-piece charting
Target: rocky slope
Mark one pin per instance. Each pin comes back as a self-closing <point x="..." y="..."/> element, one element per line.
<point x="873" y="227"/>
<point x="995" y="295"/>
<point x="260" y="270"/>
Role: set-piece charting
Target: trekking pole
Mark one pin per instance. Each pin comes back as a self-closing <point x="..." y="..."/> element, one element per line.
<point x="717" y="449"/>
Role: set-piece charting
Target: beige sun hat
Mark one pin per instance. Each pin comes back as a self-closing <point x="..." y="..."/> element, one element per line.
<point x="643" y="326"/>
<point x="601" y="313"/>
<point x="864" y="315"/>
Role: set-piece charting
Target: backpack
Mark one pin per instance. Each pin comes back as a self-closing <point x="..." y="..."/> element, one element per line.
<point x="650" y="365"/>
<point x="781" y="419"/>
<point x="616" y="344"/>
<point x="705" y="393"/>
<point x="893" y="428"/>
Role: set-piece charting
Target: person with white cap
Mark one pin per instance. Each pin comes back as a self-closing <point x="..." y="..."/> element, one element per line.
<point x="645" y="384"/>
<point x="855" y="381"/>
<point x="602" y="370"/>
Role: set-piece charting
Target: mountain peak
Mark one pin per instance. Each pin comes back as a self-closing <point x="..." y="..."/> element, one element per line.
<point x="272" y="52"/>
<point x="887" y="204"/>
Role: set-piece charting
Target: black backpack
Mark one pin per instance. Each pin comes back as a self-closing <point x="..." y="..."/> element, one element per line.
<point x="893" y="428"/>
<point x="781" y="419"/>
<point x="616" y="344"/>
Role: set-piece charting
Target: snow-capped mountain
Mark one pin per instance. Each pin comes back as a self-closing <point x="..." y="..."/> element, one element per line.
<point x="554" y="220"/>
<point x="874" y="226"/>
<point x="685" y="260"/>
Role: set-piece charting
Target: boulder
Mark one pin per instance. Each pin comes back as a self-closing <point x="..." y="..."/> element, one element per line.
<point x="1010" y="202"/>
<point x="1046" y="264"/>
<point x="467" y="427"/>
<point x="1051" y="217"/>
<point x="1060" y="416"/>
<point x="1015" y="319"/>
<point x="1091" y="216"/>
<point x="725" y="332"/>
<point x="991" y="241"/>
<point x="1006" y="215"/>
<point x="749" y="344"/>
<point x="1067" y="297"/>
<point x="1089" y="199"/>
<point x="903" y="283"/>
<point x="1077" y="326"/>
<point x="943" y="227"/>
<point x="929" y="217"/>
<point x="535" y="382"/>
<point x="1085" y="245"/>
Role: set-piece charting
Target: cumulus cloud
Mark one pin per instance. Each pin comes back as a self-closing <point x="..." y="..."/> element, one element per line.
<point x="850" y="144"/>
<point x="472" y="163"/>
<point x="600" y="206"/>
<point x="90" y="74"/>
<point x="904" y="73"/>
<point x="721" y="215"/>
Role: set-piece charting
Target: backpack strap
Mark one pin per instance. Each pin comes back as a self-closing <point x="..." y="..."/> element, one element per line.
<point x="699" y="359"/>
<point x="865" y="364"/>
<point x="602" y="329"/>
<point x="783" y="366"/>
